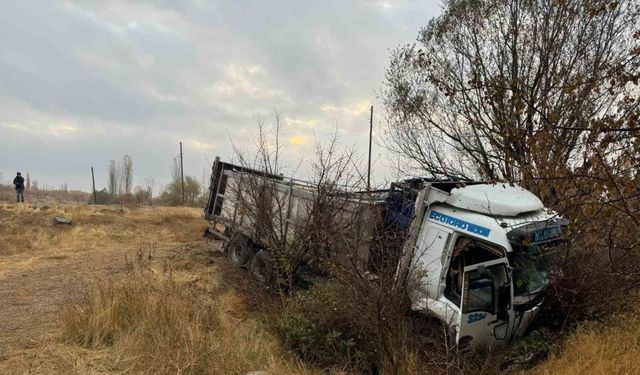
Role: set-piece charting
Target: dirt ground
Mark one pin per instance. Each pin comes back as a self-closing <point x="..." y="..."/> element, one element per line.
<point x="38" y="276"/>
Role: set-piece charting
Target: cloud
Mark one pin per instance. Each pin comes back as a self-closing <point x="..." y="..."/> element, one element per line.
<point x="200" y="146"/>
<point x="64" y="131"/>
<point x="245" y="82"/>
<point x="297" y="140"/>
<point x="86" y="81"/>
<point x="302" y="122"/>
<point x="356" y="109"/>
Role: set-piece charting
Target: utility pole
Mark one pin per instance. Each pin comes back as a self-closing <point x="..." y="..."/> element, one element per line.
<point x="93" y="178"/>
<point x="370" y="136"/>
<point x="182" y="173"/>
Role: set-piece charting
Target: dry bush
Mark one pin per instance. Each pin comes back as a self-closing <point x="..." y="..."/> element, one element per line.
<point x="151" y="322"/>
<point x="321" y="326"/>
<point x="331" y="325"/>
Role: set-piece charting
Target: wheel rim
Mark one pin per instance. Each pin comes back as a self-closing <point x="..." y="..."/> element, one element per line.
<point x="234" y="255"/>
<point x="237" y="250"/>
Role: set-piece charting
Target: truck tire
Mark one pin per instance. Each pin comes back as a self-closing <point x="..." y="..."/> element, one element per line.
<point x="262" y="268"/>
<point x="239" y="250"/>
<point x="431" y="331"/>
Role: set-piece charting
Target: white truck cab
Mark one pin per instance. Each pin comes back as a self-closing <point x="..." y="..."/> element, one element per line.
<point x="479" y="261"/>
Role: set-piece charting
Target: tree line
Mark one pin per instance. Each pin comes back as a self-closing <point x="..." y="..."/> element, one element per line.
<point x="120" y="187"/>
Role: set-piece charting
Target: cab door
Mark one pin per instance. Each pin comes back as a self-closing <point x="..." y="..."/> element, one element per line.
<point x="486" y="309"/>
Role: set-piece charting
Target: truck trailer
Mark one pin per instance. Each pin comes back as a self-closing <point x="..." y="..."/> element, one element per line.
<point x="479" y="253"/>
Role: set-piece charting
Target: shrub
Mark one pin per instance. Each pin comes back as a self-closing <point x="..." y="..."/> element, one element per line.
<point x="321" y="326"/>
<point x="147" y="315"/>
<point x="172" y="195"/>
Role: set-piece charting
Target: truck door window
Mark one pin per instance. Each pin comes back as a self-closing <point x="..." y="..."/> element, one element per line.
<point x="480" y="293"/>
<point x="483" y="288"/>
<point x="466" y="252"/>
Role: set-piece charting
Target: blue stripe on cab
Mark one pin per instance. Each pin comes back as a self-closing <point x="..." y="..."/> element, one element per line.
<point x="458" y="223"/>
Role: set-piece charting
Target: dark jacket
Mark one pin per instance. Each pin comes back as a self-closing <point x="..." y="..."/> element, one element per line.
<point x="19" y="182"/>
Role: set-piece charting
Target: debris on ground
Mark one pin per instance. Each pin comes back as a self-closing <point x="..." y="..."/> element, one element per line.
<point x="61" y="220"/>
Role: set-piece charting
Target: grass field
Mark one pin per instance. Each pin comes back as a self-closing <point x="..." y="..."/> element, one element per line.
<point x="138" y="290"/>
<point x="598" y="348"/>
<point x="123" y="290"/>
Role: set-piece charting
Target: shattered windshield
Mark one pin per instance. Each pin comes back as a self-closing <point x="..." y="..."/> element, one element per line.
<point x="530" y="273"/>
<point x="532" y="267"/>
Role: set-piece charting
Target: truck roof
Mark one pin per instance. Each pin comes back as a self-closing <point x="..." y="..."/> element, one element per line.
<point x="499" y="199"/>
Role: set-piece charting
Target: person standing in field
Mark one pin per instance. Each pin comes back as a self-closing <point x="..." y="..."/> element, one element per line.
<point x="19" y="183"/>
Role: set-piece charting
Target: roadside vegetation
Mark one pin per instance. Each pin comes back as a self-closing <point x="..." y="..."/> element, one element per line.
<point x="598" y="348"/>
<point x="163" y="318"/>
<point x="169" y="304"/>
<point x="136" y="290"/>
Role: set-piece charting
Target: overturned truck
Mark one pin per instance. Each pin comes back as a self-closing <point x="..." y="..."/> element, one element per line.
<point x="479" y="253"/>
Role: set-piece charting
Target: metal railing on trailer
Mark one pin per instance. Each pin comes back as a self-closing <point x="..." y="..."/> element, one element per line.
<point x="218" y="186"/>
<point x="218" y="183"/>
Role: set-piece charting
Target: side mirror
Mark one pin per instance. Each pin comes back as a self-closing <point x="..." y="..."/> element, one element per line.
<point x="500" y="331"/>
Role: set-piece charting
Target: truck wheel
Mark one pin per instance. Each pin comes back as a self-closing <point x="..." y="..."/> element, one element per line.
<point x="239" y="250"/>
<point x="262" y="268"/>
<point x="431" y="331"/>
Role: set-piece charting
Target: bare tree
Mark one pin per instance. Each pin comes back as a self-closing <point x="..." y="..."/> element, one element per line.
<point x="113" y="178"/>
<point x="28" y="182"/>
<point x="325" y="226"/>
<point x="127" y="174"/>
<point x="175" y="169"/>
<point x="149" y="185"/>
<point x="514" y="89"/>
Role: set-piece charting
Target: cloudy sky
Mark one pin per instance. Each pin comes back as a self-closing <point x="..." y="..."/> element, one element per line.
<point x="88" y="81"/>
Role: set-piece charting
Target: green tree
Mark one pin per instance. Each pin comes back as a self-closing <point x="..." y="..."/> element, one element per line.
<point x="172" y="194"/>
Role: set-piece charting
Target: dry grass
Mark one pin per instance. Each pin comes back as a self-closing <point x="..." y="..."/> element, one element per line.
<point x="151" y="322"/>
<point x="124" y="291"/>
<point x="8" y="194"/>
<point x="597" y="348"/>
<point x="30" y="229"/>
